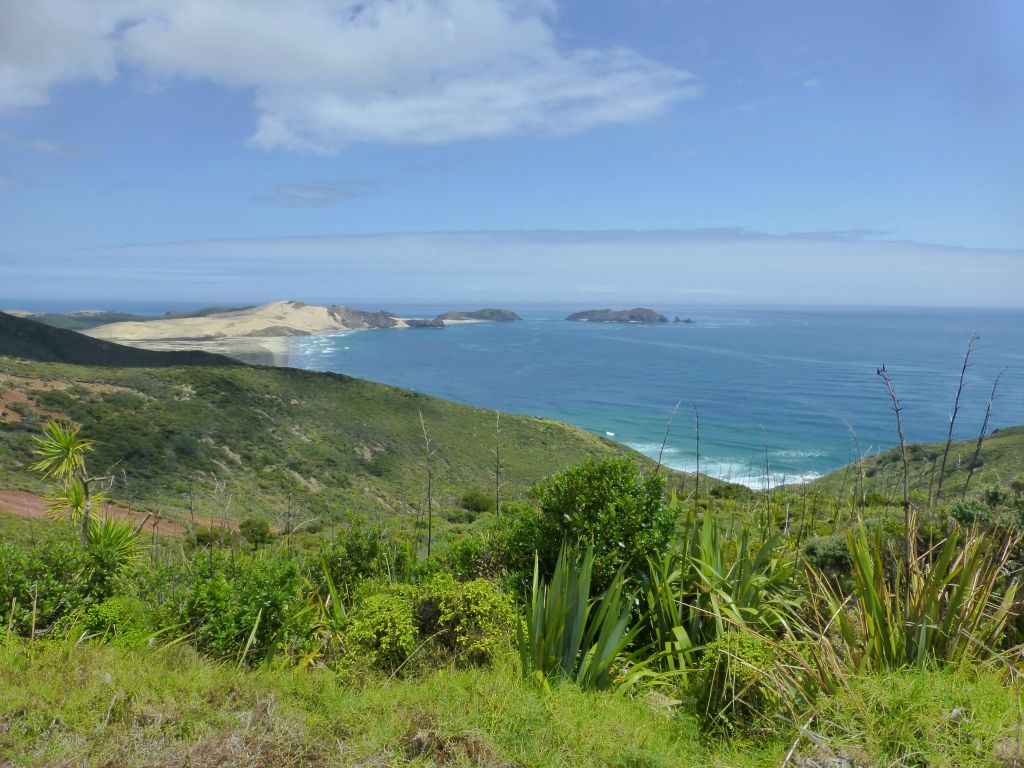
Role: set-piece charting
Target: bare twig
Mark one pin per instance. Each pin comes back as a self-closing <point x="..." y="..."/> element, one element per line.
<point x="910" y="555"/>
<point x="664" y="440"/>
<point x="428" y="453"/>
<point x="696" y="420"/>
<point x="981" y="435"/>
<point x="952" y="417"/>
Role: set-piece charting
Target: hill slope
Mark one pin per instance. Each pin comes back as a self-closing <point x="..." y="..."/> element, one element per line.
<point x="26" y="338"/>
<point x="1001" y="460"/>
<point x="272" y="439"/>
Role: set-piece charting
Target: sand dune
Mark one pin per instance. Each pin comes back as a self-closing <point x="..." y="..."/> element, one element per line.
<point x="256" y="334"/>
<point x="281" y="318"/>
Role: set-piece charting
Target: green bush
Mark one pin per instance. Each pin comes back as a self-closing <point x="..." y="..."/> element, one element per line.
<point x="971" y="512"/>
<point x="734" y="689"/>
<point x="235" y="597"/>
<point x="49" y="580"/>
<point x="472" y="556"/>
<point x="444" y="621"/>
<point x="255" y="530"/>
<point x="470" y="621"/>
<point x="477" y="501"/>
<point x="611" y="504"/>
<point x="362" y="552"/>
<point x="828" y="555"/>
<point x="382" y="630"/>
<point x="126" y="619"/>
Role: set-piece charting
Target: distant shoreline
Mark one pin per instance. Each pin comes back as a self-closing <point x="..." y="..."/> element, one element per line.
<point x="255" y="350"/>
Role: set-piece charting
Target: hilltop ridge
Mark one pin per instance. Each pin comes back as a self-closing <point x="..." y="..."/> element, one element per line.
<point x="25" y="338"/>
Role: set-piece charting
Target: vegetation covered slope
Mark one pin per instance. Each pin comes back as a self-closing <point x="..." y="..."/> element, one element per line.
<point x="266" y="440"/>
<point x="21" y="337"/>
<point x="1000" y="462"/>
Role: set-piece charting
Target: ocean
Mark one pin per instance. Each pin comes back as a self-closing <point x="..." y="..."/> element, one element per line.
<point x="789" y="384"/>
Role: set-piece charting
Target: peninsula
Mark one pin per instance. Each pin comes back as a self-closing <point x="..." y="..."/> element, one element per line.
<point x="635" y="315"/>
<point x="259" y="334"/>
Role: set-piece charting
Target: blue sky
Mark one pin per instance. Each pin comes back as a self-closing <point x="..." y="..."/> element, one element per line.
<point x="464" y="150"/>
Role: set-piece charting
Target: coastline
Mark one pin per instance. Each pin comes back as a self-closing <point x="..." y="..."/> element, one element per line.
<point x="256" y="350"/>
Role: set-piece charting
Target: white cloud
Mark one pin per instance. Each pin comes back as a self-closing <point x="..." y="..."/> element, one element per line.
<point x="47" y="147"/>
<point x="47" y="42"/>
<point x="326" y="73"/>
<point x="9" y="182"/>
<point x="318" y="193"/>
<point x="812" y="83"/>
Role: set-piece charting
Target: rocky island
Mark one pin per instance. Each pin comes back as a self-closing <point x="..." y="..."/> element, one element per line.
<point x="635" y="315"/>
<point x="488" y="314"/>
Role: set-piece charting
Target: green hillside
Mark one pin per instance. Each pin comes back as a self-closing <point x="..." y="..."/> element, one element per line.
<point x="1001" y="460"/>
<point x="24" y="338"/>
<point x="275" y="438"/>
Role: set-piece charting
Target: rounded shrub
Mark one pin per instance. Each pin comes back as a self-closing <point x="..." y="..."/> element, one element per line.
<point x="612" y="505"/>
<point x="382" y="630"/>
<point x="733" y="689"/>
<point x="125" y="619"/>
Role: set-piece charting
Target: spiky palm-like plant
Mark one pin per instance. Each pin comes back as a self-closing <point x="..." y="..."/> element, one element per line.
<point x="62" y="455"/>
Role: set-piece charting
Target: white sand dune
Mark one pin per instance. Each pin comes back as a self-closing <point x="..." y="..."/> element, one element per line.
<point x="256" y="334"/>
<point x="281" y="318"/>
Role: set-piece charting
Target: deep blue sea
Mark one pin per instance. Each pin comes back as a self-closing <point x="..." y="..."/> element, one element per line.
<point x="789" y="379"/>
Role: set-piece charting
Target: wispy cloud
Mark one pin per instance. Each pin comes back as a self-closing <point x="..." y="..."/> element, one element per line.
<point x="674" y="268"/>
<point x="319" y="193"/>
<point x="47" y="147"/>
<point x="9" y="182"/>
<point x="812" y="83"/>
<point x="415" y="72"/>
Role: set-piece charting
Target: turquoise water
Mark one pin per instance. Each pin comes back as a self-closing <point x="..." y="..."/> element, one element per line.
<point x="788" y="379"/>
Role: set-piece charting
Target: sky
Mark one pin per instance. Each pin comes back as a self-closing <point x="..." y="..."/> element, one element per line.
<point x="500" y="151"/>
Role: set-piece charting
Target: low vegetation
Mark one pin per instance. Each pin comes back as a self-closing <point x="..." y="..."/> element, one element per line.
<point x="601" y="620"/>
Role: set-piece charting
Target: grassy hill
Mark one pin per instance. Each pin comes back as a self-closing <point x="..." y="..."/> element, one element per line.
<point x="25" y="338"/>
<point x="1001" y="460"/>
<point x="263" y="440"/>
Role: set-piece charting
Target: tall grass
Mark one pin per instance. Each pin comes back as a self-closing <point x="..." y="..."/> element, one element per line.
<point x="709" y="586"/>
<point x="951" y="607"/>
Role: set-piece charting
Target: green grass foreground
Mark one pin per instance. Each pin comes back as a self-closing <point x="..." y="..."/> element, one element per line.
<point x="96" y="705"/>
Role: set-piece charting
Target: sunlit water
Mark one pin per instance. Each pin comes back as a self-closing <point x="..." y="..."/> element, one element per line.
<point x="788" y="380"/>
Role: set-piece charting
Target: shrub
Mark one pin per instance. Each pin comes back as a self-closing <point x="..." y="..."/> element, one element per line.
<point x="478" y="501"/>
<point x="472" y="556"/>
<point x="231" y="600"/>
<point x="471" y="621"/>
<point x="382" y="630"/>
<point x="734" y="689"/>
<point x="827" y="554"/>
<point x="971" y="512"/>
<point x="48" y="579"/>
<point x="255" y="530"/>
<point x="996" y="497"/>
<point x="443" y="621"/>
<point x="126" y="619"/>
<point x="609" y="503"/>
<point x="363" y="552"/>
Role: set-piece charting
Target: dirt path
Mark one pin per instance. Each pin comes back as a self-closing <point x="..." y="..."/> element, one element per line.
<point x="29" y="506"/>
